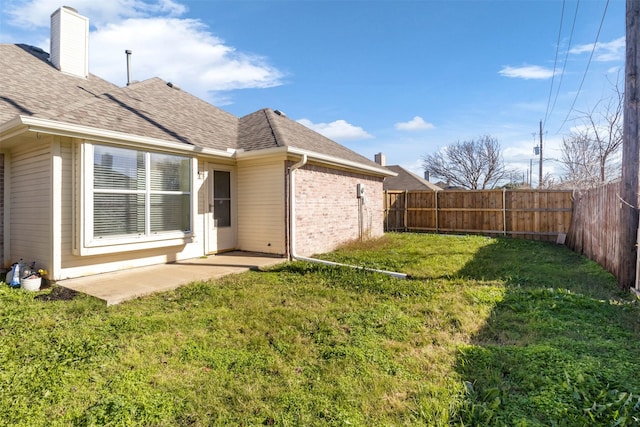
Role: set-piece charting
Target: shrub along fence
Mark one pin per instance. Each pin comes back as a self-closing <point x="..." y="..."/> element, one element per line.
<point x="529" y="214"/>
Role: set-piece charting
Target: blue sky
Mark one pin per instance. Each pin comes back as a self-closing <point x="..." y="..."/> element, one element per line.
<point x="405" y="78"/>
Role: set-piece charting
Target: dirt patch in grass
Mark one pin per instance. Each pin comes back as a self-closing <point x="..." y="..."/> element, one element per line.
<point x="58" y="293"/>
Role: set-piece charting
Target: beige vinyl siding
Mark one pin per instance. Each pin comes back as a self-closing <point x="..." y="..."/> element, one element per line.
<point x="201" y="191"/>
<point x="261" y="204"/>
<point x="67" y="199"/>
<point x="30" y="204"/>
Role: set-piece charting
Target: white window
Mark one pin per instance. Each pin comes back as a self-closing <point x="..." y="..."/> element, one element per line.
<point x="134" y="196"/>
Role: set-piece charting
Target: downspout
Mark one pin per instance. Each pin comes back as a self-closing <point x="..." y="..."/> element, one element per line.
<point x="292" y="205"/>
<point x="292" y="229"/>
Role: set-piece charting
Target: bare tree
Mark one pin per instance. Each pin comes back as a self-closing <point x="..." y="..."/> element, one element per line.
<point x="475" y="164"/>
<point x="580" y="161"/>
<point x="549" y="181"/>
<point x="589" y="153"/>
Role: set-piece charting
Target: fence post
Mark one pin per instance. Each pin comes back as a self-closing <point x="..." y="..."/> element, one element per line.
<point x="406" y="209"/>
<point x="386" y="211"/>
<point x="504" y="212"/>
<point x="628" y="251"/>
<point x="437" y="214"/>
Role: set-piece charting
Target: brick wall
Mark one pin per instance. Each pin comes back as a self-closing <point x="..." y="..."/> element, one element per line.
<point x="328" y="211"/>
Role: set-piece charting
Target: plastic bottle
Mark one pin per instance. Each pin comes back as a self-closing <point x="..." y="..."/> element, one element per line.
<point x="15" y="278"/>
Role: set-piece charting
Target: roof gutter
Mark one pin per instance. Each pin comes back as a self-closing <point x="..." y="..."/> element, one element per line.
<point x="320" y="158"/>
<point x="53" y="127"/>
<point x="293" y="255"/>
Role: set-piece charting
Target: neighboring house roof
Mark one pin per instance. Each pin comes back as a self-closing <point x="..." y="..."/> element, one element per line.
<point x="447" y="186"/>
<point x="407" y="180"/>
<point x="30" y="86"/>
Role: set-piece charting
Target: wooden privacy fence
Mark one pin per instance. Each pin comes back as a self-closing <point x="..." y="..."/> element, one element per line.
<point x="529" y="214"/>
<point x="595" y="226"/>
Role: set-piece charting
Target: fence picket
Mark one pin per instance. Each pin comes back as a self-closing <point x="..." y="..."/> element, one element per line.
<point x="533" y="214"/>
<point x="594" y="225"/>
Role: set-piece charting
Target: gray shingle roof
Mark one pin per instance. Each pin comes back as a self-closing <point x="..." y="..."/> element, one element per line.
<point x="255" y="132"/>
<point x="266" y="128"/>
<point x="407" y="180"/>
<point x="30" y="85"/>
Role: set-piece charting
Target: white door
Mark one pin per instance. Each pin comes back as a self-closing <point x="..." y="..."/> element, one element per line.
<point x="221" y="216"/>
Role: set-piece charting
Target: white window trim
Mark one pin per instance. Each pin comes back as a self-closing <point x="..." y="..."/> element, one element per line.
<point x="89" y="245"/>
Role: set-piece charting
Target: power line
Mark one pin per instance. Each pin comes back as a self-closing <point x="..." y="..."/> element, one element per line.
<point x="564" y="64"/>
<point x="584" y="76"/>
<point x="555" y="62"/>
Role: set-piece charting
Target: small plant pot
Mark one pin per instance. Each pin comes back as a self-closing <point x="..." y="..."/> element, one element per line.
<point x="31" y="284"/>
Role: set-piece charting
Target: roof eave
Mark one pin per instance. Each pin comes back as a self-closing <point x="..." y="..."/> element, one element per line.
<point x="12" y="128"/>
<point x="21" y="124"/>
<point x="336" y="161"/>
<point x="318" y="158"/>
<point x="53" y="127"/>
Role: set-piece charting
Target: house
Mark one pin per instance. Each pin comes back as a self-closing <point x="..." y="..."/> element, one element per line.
<point x="448" y="186"/>
<point x="404" y="180"/>
<point x="98" y="178"/>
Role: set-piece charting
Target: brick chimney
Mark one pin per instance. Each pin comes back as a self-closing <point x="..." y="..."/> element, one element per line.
<point x="70" y="42"/>
<point x="380" y="159"/>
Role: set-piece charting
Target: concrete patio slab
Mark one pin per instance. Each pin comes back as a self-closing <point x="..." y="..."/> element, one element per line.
<point x="119" y="286"/>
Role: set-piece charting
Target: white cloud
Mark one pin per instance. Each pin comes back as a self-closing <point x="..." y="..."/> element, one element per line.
<point x="604" y="51"/>
<point x="36" y="13"/>
<point x="338" y="130"/>
<point x="415" y="166"/>
<point x="417" y="123"/>
<point x="179" y="50"/>
<point x="527" y="72"/>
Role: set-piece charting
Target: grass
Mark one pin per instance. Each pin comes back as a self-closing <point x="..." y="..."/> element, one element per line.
<point x="486" y="332"/>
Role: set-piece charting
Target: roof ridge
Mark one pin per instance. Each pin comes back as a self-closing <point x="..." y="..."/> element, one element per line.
<point x="277" y="133"/>
<point x="138" y="83"/>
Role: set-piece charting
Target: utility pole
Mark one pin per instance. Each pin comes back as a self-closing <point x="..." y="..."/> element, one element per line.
<point x="628" y="238"/>
<point x="540" y="176"/>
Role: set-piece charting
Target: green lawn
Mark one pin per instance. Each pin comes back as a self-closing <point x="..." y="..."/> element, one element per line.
<point x="486" y="332"/>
